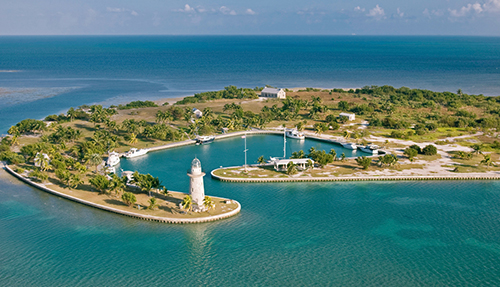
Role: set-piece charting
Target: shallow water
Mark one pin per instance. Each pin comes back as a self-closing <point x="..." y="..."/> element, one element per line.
<point x="442" y="233"/>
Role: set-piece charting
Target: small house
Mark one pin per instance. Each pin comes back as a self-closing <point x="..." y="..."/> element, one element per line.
<point x="282" y="164"/>
<point x="197" y="113"/>
<point x="349" y="116"/>
<point x="273" y="93"/>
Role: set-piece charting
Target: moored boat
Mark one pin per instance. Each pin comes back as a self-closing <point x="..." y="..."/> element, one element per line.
<point x="349" y="146"/>
<point x="371" y="148"/>
<point x="295" y="134"/>
<point x="113" y="159"/>
<point x="204" y="139"/>
<point x="133" y="152"/>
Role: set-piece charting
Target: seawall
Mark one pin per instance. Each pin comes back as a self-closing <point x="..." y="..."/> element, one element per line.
<point x="349" y="178"/>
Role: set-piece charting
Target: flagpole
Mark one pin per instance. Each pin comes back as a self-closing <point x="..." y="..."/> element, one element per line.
<point x="245" y="136"/>
<point x="284" y="143"/>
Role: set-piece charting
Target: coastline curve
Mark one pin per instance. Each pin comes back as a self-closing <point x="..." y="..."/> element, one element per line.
<point x="128" y="213"/>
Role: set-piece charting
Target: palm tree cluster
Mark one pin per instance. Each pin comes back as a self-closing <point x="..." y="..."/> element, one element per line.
<point x="147" y="182"/>
<point x="64" y="135"/>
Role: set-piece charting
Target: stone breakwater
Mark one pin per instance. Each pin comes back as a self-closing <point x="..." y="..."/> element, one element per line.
<point x="128" y="213"/>
<point x="352" y="178"/>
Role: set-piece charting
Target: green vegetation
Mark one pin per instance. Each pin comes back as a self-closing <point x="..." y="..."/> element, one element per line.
<point x="429" y="150"/>
<point x="129" y="198"/>
<point x="137" y="105"/>
<point x="364" y="161"/>
<point x="230" y="92"/>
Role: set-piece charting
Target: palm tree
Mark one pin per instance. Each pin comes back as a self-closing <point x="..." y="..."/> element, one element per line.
<point x="487" y="160"/>
<point x="187" y="202"/>
<point x="208" y="203"/>
<point x="153" y="203"/>
<point x="261" y="160"/>
<point x="477" y="148"/>
<point x="42" y="160"/>
<point x="334" y="153"/>
<point x="291" y="168"/>
<point x="71" y="114"/>
<point x="117" y="184"/>
<point x="133" y="139"/>
<point x="100" y="182"/>
<point x="93" y="159"/>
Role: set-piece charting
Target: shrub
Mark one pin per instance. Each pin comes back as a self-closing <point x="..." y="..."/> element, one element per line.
<point x="416" y="147"/>
<point x="429" y="150"/>
<point x="129" y="198"/>
<point x="137" y="104"/>
<point x="364" y="161"/>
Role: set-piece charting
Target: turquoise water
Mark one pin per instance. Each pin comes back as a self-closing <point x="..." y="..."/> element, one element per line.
<point x="439" y="233"/>
<point x="442" y="233"/>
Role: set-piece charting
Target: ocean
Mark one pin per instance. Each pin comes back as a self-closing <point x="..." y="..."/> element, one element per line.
<point x="47" y="75"/>
<point x="438" y="233"/>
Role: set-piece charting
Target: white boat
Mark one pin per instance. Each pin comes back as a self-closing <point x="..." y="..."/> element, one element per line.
<point x="113" y="159"/>
<point x="295" y="134"/>
<point x="371" y="148"/>
<point x="204" y="139"/>
<point x="133" y="152"/>
<point x="349" y="146"/>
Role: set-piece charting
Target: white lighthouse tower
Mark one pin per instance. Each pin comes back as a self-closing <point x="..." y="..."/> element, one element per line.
<point x="196" y="189"/>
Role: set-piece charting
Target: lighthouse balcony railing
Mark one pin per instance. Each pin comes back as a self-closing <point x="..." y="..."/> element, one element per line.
<point x="202" y="170"/>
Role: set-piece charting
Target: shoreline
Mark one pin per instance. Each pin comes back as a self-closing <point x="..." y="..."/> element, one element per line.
<point x="350" y="178"/>
<point x="128" y="213"/>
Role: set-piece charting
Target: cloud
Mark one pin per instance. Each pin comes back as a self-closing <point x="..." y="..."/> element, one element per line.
<point x="226" y="11"/>
<point x="377" y="13"/>
<point x="121" y="10"/>
<point x="115" y="10"/>
<point x="186" y="9"/>
<point x="359" y="9"/>
<point x="400" y="14"/>
<point x="490" y="6"/>
<point x="250" y="12"/>
<point x="475" y="8"/>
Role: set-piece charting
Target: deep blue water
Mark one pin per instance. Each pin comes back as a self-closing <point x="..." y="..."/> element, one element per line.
<point x="442" y="233"/>
<point x="123" y="68"/>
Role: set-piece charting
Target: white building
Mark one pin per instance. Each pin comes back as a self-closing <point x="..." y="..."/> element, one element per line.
<point x="197" y="113"/>
<point x="282" y="164"/>
<point x="273" y="93"/>
<point x="349" y="116"/>
<point x="196" y="188"/>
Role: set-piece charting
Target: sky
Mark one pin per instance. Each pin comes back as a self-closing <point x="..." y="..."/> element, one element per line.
<point x="256" y="17"/>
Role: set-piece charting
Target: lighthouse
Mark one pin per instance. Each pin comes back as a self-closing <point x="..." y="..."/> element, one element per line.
<point x="196" y="189"/>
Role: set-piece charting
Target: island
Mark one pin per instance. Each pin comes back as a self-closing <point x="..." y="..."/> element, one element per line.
<point x="402" y="134"/>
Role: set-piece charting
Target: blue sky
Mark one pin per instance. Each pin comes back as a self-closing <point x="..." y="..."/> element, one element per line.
<point x="314" y="17"/>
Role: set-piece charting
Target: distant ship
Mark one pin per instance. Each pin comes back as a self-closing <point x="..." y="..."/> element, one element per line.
<point x="133" y="152"/>
<point x="204" y="139"/>
<point x="295" y="134"/>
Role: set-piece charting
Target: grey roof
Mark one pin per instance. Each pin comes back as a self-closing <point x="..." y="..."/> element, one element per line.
<point x="270" y="90"/>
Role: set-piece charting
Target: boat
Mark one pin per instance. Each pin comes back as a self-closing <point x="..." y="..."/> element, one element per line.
<point x="113" y="159"/>
<point x="295" y="134"/>
<point x="204" y="139"/>
<point x="133" y="152"/>
<point x="371" y="148"/>
<point x="349" y="146"/>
